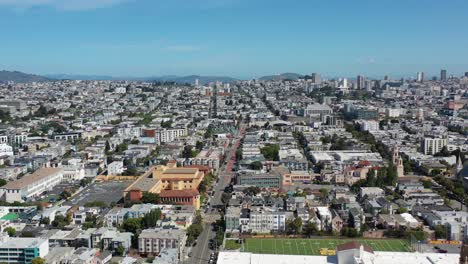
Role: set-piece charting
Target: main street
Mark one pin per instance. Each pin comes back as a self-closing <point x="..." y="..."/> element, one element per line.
<point x="201" y="251"/>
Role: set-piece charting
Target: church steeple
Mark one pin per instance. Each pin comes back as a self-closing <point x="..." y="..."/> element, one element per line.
<point x="459" y="163"/>
<point x="398" y="161"/>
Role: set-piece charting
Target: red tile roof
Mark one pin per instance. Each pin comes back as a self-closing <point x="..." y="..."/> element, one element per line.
<point x="199" y="167"/>
<point x="179" y="193"/>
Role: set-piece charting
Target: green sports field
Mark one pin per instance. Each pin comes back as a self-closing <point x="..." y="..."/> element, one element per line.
<point x="312" y="246"/>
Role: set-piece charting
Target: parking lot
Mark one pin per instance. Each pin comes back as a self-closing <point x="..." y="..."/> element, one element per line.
<point x="54" y="194"/>
<point x="107" y="192"/>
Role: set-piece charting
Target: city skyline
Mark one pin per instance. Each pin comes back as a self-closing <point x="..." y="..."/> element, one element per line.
<point x="233" y="38"/>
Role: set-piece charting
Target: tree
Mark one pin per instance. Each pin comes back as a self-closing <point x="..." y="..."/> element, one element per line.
<point x="350" y="232"/>
<point x="3" y="182"/>
<point x="202" y="186"/>
<point x="60" y="221"/>
<point x="107" y="148"/>
<point x="392" y="175"/>
<point x="166" y="124"/>
<point x="252" y="190"/>
<point x="149" y="197"/>
<point x="225" y="197"/>
<point x="119" y="149"/>
<point x="131" y="171"/>
<point x="310" y="229"/>
<point x="427" y="184"/>
<point x="443" y="152"/>
<point x="187" y="152"/>
<point x="199" y="145"/>
<point x="132" y="225"/>
<point x="41" y="112"/>
<point x="120" y="250"/>
<point x="371" y="180"/>
<point x="440" y="232"/>
<point x="435" y="172"/>
<point x="294" y="226"/>
<point x="324" y="192"/>
<point x="10" y="230"/>
<point x="256" y="165"/>
<point x="271" y="152"/>
<point x="100" y="204"/>
<point x="151" y="219"/>
<point x="402" y="210"/>
<point x="239" y="154"/>
<point x="45" y="221"/>
<point x="193" y="231"/>
<point x="38" y="260"/>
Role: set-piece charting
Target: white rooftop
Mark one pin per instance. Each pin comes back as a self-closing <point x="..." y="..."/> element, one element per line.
<point x="379" y="257"/>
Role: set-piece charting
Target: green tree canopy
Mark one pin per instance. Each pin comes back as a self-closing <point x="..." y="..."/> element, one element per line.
<point x="10" y="230"/>
<point x="151" y="219"/>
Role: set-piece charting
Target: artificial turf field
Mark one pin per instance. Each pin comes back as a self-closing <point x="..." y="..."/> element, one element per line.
<point x="295" y="246"/>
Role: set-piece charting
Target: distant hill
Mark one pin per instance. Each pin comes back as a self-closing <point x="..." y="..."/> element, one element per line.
<point x="20" y="77"/>
<point x="82" y="77"/>
<point x="192" y="78"/>
<point x="283" y="76"/>
<point x="166" y="78"/>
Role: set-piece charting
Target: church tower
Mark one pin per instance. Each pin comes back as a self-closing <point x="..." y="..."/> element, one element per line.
<point x="398" y="162"/>
<point x="458" y="167"/>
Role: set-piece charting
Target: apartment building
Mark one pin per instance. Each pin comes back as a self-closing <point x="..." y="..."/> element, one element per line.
<point x="22" y="250"/>
<point x="153" y="241"/>
<point x="31" y="185"/>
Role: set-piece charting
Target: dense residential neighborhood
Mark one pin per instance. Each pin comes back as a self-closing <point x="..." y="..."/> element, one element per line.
<point x="165" y="172"/>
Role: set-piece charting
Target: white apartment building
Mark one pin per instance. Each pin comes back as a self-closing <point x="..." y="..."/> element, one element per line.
<point x="209" y="158"/>
<point x="264" y="222"/>
<point x="129" y="132"/>
<point x="317" y="109"/>
<point x="73" y="172"/>
<point x="13" y="139"/>
<point x="31" y="185"/>
<point x="430" y="146"/>
<point x="369" y="125"/>
<point x="169" y="135"/>
<point x="6" y="150"/>
<point x="115" y="168"/>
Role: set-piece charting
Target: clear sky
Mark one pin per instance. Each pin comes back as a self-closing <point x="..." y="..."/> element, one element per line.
<point x="239" y="38"/>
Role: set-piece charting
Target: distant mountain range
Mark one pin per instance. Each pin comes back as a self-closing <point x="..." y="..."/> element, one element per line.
<point x="283" y="76"/>
<point x="166" y="78"/>
<point x="17" y="76"/>
<point x="20" y="77"/>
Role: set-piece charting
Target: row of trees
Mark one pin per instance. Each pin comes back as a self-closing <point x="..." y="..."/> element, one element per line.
<point x="368" y="138"/>
<point x="385" y="176"/>
<point x="135" y="225"/>
<point x="195" y="229"/>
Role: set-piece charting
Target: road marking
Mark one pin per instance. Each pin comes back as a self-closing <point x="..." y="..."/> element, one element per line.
<point x="204" y="245"/>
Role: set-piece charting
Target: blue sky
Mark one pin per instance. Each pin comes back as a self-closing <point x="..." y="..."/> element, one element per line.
<point x="239" y="38"/>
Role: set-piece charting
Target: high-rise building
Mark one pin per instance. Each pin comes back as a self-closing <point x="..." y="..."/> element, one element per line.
<point x="443" y="75"/>
<point x="196" y="83"/>
<point x="360" y="82"/>
<point x="432" y="145"/>
<point x="316" y="78"/>
<point x="466" y="74"/>
<point x="420" y="77"/>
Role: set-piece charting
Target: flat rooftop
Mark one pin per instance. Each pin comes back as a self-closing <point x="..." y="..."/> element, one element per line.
<point x="22" y="242"/>
<point x="31" y="178"/>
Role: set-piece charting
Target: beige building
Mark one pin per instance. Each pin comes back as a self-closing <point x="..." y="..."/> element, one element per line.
<point x="31" y="185"/>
